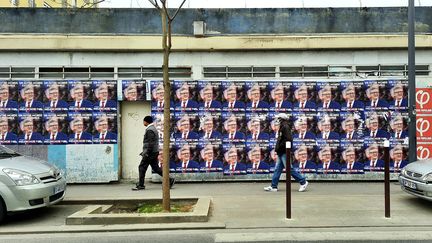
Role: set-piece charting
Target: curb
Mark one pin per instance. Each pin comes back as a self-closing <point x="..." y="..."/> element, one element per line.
<point x="112" y="228"/>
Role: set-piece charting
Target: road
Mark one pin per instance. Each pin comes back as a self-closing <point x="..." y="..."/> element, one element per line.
<point x="351" y="235"/>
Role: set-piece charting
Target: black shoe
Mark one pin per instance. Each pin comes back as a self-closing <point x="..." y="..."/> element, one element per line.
<point x="137" y="188"/>
<point x="172" y="182"/>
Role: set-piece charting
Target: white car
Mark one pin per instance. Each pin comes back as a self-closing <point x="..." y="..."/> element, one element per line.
<point x="416" y="179"/>
<point x="27" y="183"/>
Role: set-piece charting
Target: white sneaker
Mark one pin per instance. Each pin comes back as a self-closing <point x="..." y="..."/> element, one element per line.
<point x="303" y="187"/>
<point x="270" y="189"/>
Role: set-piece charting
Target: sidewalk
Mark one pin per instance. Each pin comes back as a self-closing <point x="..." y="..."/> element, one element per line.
<point x="340" y="206"/>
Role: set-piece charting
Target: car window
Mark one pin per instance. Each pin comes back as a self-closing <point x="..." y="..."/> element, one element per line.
<point x="7" y="153"/>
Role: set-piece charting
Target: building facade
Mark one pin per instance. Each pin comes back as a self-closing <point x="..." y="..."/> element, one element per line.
<point x="249" y="46"/>
<point x="47" y="4"/>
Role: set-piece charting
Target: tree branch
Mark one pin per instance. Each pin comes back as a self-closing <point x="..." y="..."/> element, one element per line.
<point x="90" y="5"/>
<point x="177" y="11"/>
<point x="163" y="2"/>
<point x="154" y="3"/>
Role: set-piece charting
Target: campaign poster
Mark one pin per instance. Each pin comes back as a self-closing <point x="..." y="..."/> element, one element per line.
<point x="305" y="127"/>
<point x="157" y="96"/>
<point x="329" y="126"/>
<point x="274" y="125"/>
<point x="8" y="96"/>
<point x="210" y="96"/>
<point x="234" y="127"/>
<point x="352" y="126"/>
<point x="257" y="127"/>
<point x="104" y="127"/>
<point x="352" y="158"/>
<point x="398" y="99"/>
<point x="423" y="100"/>
<point x="234" y="96"/>
<point x="158" y="122"/>
<point x="210" y="157"/>
<point x="424" y="150"/>
<point x="8" y="128"/>
<point x="56" y="126"/>
<point x="55" y="95"/>
<point x="210" y="127"/>
<point x="186" y="126"/>
<point x="234" y="159"/>
<point x="374" y="156"/>
<point x="305" y="159"/>
<point x="80" y="95"/>
<point x="185" y="95"/>
<point x="186" y="157"/>
<point x="160" y="158"/>
<point x="105" y="95"/>
<point x="304" y="96"/>
<point x="257" y="157"/>
<point x="80" y="127"/>
<point x="328" y="159"/>
<point x="329" y="96"/>
<point x="376" y="95"/>
<point x="30" y="96"/>
<point x="399" y="121"/>
<point x="353" y="96"/>
<point x="257" y="96"/>
<point x="30" y="128"/>
<point x="424" y="128"/>
<point x="376" y="125"/>
<point x="398" y="156"/>
<point x="134" y="90"/>
<point x="280" y="93"/>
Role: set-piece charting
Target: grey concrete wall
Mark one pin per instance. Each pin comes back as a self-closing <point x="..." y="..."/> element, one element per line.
<point x="219" y="21"/>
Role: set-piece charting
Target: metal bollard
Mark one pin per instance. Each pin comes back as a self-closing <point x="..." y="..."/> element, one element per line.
<point x="387" y="179"/>
<point x="288" y="179"/>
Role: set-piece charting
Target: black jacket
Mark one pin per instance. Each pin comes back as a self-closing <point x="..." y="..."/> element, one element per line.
<point x="283" y="137"/>
<point x="150" y="141"/>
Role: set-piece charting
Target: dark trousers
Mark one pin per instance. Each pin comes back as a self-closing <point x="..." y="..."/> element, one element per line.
<point x="151" y="160"/>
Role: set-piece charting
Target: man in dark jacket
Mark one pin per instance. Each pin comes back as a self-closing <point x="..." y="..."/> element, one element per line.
<point x="149" y="153"/>
<point x="283" y="137"/>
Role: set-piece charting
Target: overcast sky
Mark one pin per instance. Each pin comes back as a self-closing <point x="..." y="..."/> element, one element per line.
<point x="264" y="3"/>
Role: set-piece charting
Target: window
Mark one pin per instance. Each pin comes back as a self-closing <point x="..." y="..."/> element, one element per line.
<point x="239" y="72"/>
<point x="23" y="72"/>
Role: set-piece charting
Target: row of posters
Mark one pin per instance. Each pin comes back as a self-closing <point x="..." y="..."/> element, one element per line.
<point x="229" y="127"/>
<point x="58" y="111"/>
<point x="283" y="96"/>
<point x="260" y="158"/>
<point x="67" y="95"/>
<point x="58" y="128"/>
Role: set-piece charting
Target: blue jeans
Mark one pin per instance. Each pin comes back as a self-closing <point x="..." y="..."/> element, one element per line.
<point x="278" y="171"/>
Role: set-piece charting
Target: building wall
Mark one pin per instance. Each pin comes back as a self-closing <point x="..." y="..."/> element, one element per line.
<point x="268" y="21"/>
<point x="46" y="3"/>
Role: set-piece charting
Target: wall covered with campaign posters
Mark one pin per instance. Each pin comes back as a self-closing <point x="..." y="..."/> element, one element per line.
<point x="227" y="128"/>
<point x="58" y="112"/>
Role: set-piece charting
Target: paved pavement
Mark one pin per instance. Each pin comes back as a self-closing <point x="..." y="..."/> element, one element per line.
<point x="238" y="207"/>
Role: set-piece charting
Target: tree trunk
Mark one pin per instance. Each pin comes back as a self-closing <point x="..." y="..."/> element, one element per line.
<point x="166" y="201"/>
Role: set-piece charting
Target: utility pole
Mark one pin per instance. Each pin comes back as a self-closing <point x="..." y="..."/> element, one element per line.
<point x="411" y="82"/>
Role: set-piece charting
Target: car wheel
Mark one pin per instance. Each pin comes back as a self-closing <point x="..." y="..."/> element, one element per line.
<point x="2" y="210"/>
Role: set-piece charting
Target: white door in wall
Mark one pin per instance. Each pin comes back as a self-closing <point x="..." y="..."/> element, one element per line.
<point x="132" y="132"/>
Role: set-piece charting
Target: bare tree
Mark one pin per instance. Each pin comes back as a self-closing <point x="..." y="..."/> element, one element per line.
<point x="167" y="18"/>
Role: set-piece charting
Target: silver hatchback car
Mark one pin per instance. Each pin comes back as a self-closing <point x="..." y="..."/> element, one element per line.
<point x="416" y="179"/>
<point x="27" y="183"/>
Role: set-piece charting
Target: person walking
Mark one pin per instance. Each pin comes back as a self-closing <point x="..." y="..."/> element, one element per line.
<point x="149" y="154"/>
<point x="283" y="137"/>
